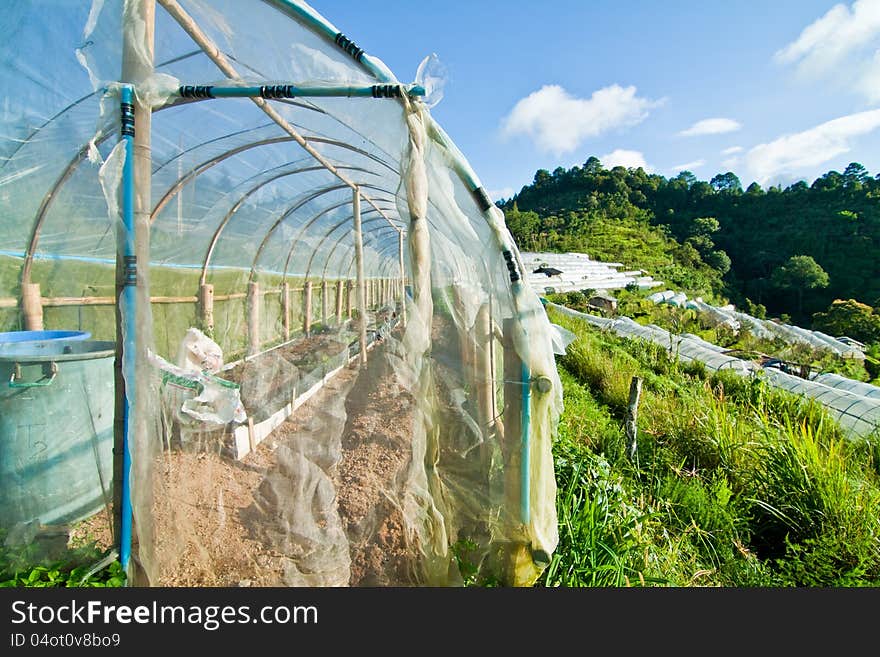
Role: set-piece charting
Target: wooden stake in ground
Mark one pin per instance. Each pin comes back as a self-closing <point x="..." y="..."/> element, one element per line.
<point x="632" y="415"/>
<point x="253" y="310"/>
<point x="307" y="308"/>
<point x="32" y="306"/>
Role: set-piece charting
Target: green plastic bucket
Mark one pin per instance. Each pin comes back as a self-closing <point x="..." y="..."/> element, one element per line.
<point x="56" y="431"/>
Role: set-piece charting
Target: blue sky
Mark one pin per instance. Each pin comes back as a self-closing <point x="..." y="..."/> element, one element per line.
<point x="775" y="91"/>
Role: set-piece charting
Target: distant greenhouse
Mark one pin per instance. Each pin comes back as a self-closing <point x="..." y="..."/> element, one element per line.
<point x="853" y="404"/>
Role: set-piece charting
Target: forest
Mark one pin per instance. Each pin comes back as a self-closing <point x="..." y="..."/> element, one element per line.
<point x="806" y="251"/>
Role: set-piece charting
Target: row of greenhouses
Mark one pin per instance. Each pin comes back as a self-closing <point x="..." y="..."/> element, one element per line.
<point x="855" y="405"/>
<point x="761" y="328"/>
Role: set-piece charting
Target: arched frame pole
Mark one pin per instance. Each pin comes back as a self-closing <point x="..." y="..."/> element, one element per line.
<point x="362" y="289"/>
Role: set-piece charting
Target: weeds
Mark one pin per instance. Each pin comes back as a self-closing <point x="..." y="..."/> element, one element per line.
<point x="736" y="483"/>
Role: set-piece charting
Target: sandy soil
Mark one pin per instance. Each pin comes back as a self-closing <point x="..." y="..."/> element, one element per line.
<point x="221" y="522"/>
<point x="376" y="451"/>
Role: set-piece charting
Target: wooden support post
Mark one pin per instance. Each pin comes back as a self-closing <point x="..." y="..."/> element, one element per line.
<point x="253" y="310"/>
<point x="285" y="309"/>
<point x="32" y="306"/>
<point x="632" y="416"/>
<point x="137" y="68"/>
<point x="206" y="307"/>
<point x="484" y="372"/>
<point x="348" y="288"/>
<point x="307" y="308"/>
<point x="362" y="289"/>
<point x="516" y="553"/>
<point x="512" y="422"/>
<point x="402" y="279"/>
<point x="484" y="392"/>
<point x="325" y="304"/>
<point x="252" y="438"/>
<point x="466" y="339"/>
<point x="339" y="301"/>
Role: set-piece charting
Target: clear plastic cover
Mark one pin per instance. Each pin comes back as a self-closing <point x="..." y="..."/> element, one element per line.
<point x="336" y="376"/>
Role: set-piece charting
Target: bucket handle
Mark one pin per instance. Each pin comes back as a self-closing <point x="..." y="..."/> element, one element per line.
<point x="16" y="374"/>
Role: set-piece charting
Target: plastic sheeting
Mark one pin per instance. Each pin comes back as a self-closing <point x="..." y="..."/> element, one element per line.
<point x="853" y="404"/>
<point x="388" y="472"/>
<point x="764" y="329"/>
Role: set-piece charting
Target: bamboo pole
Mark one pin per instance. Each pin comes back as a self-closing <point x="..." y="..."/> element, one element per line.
<point x="285" y="309"/>
<point x="307" y="309"/>
<point x="137" y="66"/>
<point x="402" y="280"/>
<point x="359" y="257"/>
<point x="216" y="55"/>
<point x="230" y="297"/>
<point x="339" y="301"/>
<point x="206" y="306"/>
<point x="516" y="551"/>
<point x="253" y="324"/>
<point x="512" y="419"/>
<point x="485" y="391"/>
<point x="632" y="416"/>
<point x="325" y="304"/>
<point x="31" y="306"/>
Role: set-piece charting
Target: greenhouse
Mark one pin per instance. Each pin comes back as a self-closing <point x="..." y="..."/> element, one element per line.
<point x="854" y="405"/>
<point x="264" y="321"/>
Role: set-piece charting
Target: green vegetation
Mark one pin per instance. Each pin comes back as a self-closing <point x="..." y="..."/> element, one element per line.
<point x="733" y="484"/>
<point x="700" y="236"/>
<point x="743" y="343"/>
<point x="628" y="238"/>
<point x="38" y="564"/>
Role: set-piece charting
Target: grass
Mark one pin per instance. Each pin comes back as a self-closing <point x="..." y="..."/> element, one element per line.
<point x="734" y="484"/>
<point x="677" y="320"/>
<point x="67" y="278"/>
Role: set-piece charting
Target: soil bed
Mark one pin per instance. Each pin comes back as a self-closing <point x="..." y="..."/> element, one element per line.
<point x="221" y="522"/>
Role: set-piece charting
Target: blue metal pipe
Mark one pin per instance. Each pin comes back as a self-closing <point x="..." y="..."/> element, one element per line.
<point x="307" y="16"/>
<point x="293" y="91"/>
<point x="524" y="474"/>
<point x="129" y="320"/>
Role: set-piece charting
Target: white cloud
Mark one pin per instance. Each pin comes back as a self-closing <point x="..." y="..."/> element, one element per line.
<point x="732" y="150"/>
<point x="827" y="40"/>
<point x="715" y="126"/>
<point x="730" y="162"/>
<point x="835" y="45"/>
<point x="558" y="122"/>
<point x="789" y="154"/>
<point x="624" y="158"/>
<point x="688" y="166"/>
<point x="503" y="193"/>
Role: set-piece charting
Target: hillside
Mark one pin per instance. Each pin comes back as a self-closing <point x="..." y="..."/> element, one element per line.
<point x="714" y="236"/>
<point x="730" y="483"/>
